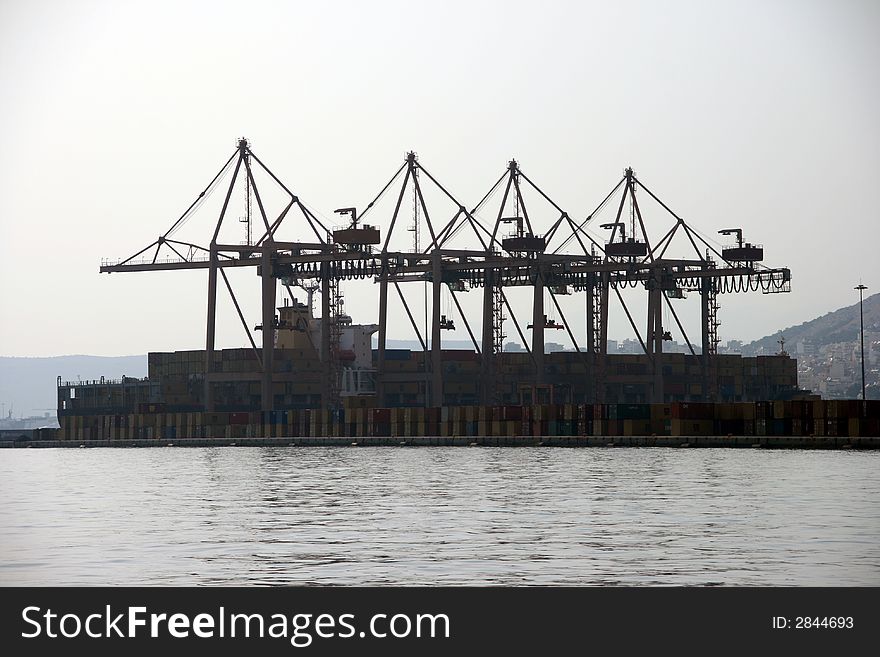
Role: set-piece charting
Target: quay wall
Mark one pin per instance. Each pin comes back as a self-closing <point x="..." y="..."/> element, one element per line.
<point x="808" y="419"/>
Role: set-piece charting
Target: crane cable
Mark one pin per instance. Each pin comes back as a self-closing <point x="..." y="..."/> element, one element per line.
<point x="204" y="196"/>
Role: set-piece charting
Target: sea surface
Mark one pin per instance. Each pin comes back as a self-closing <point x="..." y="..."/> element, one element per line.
<point x="439" y="516"/>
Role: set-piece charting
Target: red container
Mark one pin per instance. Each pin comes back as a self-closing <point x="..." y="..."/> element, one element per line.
<point x="613" y="427"/>
<point x="512" y="413"/>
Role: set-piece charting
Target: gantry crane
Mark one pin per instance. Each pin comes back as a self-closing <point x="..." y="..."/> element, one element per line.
<point x="489" y="260"/>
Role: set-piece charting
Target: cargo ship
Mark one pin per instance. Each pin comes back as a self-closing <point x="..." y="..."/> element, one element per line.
<point x="168" y="405"/>
<point x="321" y="379"/>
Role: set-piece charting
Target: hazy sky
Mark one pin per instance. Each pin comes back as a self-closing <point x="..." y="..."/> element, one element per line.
<point x="757" y="114"/>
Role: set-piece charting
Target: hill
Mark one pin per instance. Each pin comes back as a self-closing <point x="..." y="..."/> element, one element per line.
<point x="838" y="326"/>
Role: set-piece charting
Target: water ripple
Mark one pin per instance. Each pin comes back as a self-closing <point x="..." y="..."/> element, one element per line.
<point x="450" y="516"/>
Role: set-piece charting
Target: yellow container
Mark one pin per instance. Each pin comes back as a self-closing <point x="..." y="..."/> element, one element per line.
<point x="854" y="427"/>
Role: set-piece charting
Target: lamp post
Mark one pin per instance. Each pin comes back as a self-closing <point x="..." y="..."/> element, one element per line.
<point x="861" y="288"/>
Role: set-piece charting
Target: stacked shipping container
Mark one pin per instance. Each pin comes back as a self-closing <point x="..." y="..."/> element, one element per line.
<point x="789" y="418"/>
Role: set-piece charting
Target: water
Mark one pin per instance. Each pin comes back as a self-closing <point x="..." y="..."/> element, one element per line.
<point x="427" y="516"/>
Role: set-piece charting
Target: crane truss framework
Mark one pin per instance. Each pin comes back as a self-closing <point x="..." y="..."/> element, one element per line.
<point x="523" y="259"/>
